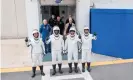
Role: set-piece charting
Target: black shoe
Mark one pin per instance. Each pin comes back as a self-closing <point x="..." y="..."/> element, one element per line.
<point x="60" y="71"/>
<point x="83" y="67"/>
<point x="33" y="75"/>
<point x="88" y="67"/>
<point x="54" y="69"/>
<point x="76" y="69"/>
<point x="42" y="73"/>
<point x="34" y="71"/>
<point x="41" y="69"/>
<point x="70" y="67"/>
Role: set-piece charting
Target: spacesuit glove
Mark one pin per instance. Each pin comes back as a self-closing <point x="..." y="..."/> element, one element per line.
<point x="95" y="34"/>
<point x="64" y="52"/>
<point x="79" y="36"/>
<point x="26" y="39"/>
<point x="44" y="55"/>
<point x="79" y="50"/>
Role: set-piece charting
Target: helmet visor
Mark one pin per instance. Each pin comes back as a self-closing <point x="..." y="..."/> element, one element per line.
<point x="36" y="35"/>
<point x="56" y="32"/>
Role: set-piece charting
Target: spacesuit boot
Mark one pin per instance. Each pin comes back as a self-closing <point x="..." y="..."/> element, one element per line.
<point x="76" y="69"/>
<point x="60" y="71"/>
<point x="70" y="67"/>
<point x="41" y="69"/>
<point x="54" y="69"/>
<point x="83" y="67"/>
<point x="34" y="72"/>
<point x="88" y="66"/>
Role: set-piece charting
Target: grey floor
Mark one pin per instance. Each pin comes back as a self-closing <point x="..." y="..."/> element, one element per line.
<point x="113" y="72"/>
<point x="20" y="76"/>
<point x="106" y="72"/>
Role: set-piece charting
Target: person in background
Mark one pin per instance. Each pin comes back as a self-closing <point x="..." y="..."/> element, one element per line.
<point x="60" y="23"/>
<point x="68" y="26"/>
<point x="52" y="21"/>
<point x="70" y="16"/>
<point x="45" y="31"/>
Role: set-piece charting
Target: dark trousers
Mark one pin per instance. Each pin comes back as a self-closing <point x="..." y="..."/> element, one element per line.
<point x="47" y="47"/>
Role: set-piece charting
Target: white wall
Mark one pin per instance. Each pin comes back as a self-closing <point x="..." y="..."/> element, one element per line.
<point x="114" y="4"/>
<point x="9" y="23"/>
<point x="13" y="19"/>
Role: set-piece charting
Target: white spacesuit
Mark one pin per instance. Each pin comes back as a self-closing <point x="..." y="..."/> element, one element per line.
<point x="57" y="46"/>
<point x="37" y="51"/>
<point x="86" y="48"/>
<point x="71" y="45"/>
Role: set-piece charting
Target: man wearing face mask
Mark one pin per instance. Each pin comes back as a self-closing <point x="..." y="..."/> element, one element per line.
<point x="37" y="52"/>
<point x="86" y="48"/>
<point x="57" y="46"/>
<point x="60" y="23"/>
<point x="71" y="45"/>
<point x="52" y="21"/>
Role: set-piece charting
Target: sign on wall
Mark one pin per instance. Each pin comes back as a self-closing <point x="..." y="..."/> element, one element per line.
<point x="58" y="1"/>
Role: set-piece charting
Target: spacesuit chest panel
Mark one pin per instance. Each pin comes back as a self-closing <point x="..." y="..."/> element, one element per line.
<point x="56" y="43"/>
<point x="87" y="42"/>
<point x="36" y="47"/>
<point x="72" y="43"/>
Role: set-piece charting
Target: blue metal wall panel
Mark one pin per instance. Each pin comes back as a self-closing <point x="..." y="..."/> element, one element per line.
<point x="115" y="32"/>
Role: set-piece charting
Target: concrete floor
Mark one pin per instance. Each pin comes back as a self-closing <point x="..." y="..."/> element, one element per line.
<point x="113" y="72"/>
<point x="14" y="53"/>
<point x="108" y="72"/>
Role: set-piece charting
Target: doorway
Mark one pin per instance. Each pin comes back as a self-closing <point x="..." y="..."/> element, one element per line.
<point x="62" y="11"/>
<point x="55" y="10"/>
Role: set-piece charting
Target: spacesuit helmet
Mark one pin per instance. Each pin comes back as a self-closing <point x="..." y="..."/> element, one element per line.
<point x="86" y="31"/>
<point x="72" y="31"/>
<point x="56" y="31"/>
<point x="35" y="34"/>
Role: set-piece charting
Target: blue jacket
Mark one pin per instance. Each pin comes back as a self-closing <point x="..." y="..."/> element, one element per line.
<point x="45" y="31"/>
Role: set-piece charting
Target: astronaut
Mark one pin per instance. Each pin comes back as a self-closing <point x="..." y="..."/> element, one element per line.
<point x="57" y="46"/>
<point x="71" y="45"/>
<point x="37" y="52"/>
<point x="86" y="48"/>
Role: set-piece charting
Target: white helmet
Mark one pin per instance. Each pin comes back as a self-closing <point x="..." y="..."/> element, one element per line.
<point x="35" y="31"/>
<point x="56" y="31"/>
<point x="86" y="31"/>
<point x="72" y="31"/>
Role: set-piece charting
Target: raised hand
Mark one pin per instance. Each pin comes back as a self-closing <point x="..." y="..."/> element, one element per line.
<point x="26" y="39"/>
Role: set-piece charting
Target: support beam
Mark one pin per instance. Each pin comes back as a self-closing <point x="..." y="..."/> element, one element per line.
<point x="82" y="14"/>
<point x="32" y="15"/>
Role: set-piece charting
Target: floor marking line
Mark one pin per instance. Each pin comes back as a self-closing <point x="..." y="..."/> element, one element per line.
<point x="5" y="70"/>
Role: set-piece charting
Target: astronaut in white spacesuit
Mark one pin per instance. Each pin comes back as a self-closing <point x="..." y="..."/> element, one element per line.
<point x="71" y="45"/>
<point x="86" y="48"/>
<point x="37" y="52"/>
<point x="57" y="46"/>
